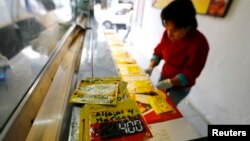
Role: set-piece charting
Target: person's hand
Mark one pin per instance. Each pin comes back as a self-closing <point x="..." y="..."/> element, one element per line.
<point x="164" y="84"/>
<point x="149" y="70"/>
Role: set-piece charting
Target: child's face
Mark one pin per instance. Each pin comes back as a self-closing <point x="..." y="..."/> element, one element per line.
<point x="175" y="33"/>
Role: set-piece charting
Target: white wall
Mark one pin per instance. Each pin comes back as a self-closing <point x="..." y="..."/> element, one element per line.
<point x="222" y="90"/>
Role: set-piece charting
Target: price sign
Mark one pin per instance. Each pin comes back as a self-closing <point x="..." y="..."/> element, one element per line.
<point x="123" y="127"/>
<point x="114" y="123"/>
<point x="120" y="129"/>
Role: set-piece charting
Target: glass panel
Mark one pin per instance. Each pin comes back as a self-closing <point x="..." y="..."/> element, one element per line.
<point x="29" y="33"/>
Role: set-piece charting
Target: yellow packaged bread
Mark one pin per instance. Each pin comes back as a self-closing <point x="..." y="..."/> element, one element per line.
<point x="138" y="84"/>
<point x="96" y="91"/>
<point x="130" y="69"/>
<point x="121" y="56"/>
<point x="159" y="103"/>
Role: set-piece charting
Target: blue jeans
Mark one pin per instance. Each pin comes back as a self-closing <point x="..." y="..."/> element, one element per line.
<point x="177" y="95"/>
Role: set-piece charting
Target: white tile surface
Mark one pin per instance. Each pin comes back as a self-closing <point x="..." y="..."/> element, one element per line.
<point x="173" y="130"/>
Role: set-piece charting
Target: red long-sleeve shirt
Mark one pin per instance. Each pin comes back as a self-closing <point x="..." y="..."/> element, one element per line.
<point x="187" y="55"/>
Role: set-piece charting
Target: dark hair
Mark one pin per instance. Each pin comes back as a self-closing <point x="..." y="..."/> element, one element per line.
<point x="181" y="12"/>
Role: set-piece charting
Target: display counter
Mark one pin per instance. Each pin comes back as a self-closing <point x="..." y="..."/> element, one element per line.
<point x="97" y="61"/>
<point x="35" y="103"/>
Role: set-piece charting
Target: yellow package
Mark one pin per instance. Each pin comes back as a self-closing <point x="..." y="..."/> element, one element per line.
<point x="159" y="103"/>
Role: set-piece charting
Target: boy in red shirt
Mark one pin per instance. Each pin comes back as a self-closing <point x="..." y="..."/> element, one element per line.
<point x="183" y="48"/>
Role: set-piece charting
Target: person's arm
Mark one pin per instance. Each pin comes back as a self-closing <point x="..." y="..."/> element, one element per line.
<point x="153" y="63"/>
<point x="157" y="55"/>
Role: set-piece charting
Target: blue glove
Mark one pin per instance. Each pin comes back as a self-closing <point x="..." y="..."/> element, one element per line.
<point x="149" y="70"/>
<point x="164" y="84"/>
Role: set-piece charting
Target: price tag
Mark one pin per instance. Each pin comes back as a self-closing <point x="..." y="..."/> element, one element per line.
<point x="106" y="125"/>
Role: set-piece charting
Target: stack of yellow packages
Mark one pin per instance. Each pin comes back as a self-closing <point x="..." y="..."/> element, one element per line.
<point x="140" y="87"/>
<point x="105" y="91"/>
<point x="130" y="71"/>
<point x="121" y="56"/>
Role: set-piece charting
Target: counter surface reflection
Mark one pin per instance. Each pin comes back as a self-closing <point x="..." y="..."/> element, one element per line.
<point x="28" y="44"/>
